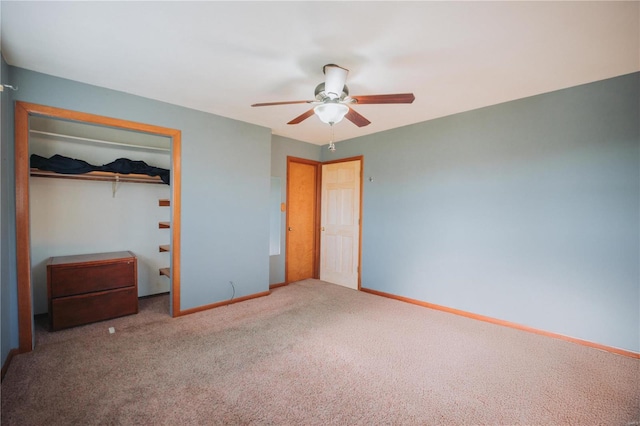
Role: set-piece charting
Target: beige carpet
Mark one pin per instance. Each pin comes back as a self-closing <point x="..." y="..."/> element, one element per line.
<point x="314" y="353"/>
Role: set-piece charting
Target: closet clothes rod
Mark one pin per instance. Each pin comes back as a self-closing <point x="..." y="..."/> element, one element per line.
<point x="78" y="138"/>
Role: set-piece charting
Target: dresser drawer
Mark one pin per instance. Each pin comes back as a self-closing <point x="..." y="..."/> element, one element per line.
<point x="92" y="307"/>
<point x="79" y="279"/>
<point x="91" y="287"/>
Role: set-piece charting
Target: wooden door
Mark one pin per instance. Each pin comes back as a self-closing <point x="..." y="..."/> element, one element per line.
<point x="302" y="206"/>
<point x="340" y="223"/>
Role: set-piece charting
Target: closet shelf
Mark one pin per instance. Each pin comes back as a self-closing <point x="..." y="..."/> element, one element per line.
<point x="165" y="247"/>
<point x="100" y="176"/>
<point x="100" y="141"/>
<point x="164" y="225"/>
<point x="166" y="272"/>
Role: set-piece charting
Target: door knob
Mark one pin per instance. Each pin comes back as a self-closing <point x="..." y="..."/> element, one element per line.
<point x="290" y="229"/>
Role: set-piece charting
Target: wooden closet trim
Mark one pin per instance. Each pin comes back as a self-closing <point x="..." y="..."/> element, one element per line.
<point x="23" y="241"/>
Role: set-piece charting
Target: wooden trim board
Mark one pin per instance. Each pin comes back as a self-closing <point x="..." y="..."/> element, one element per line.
<point x="496" y="321"/>
<point x="272" y="286"/>
<point x="224" y="303"/>
<point x="7" y="362"/>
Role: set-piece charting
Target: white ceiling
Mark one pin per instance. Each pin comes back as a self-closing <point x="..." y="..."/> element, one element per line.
<point x="221" y="57"/>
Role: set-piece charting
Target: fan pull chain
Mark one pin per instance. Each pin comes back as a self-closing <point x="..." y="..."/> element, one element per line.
<point x="332" y="146"/>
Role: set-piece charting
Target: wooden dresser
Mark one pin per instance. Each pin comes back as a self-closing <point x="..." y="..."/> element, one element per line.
<point x="91" y="287"/>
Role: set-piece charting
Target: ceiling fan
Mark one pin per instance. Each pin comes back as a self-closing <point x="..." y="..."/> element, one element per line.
<point x="333" y="101"/>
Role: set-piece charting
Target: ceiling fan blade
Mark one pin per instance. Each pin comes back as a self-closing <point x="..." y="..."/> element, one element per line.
<point x="357" y="119"/>
<point x="281" y="103"/>
<point x="302" y="117"/>
<point x="335" y="78"/>
<point x="396" y="98"/>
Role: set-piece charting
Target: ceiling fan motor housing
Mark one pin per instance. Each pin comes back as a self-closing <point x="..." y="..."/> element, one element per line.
<point x="322" y="96"/>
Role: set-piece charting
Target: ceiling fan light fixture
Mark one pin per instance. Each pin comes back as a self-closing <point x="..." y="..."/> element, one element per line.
<point x="331" y="112"/>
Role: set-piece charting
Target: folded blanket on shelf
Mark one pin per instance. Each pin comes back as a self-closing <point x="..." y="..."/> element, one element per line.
<point x="66" y="165"/>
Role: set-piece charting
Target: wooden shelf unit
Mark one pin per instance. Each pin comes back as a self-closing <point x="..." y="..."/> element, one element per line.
<point x="99" y="176"/>
<point x="165" y="247"/>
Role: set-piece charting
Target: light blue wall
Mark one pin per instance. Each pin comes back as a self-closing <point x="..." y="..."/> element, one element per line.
<point x="527" y="211"/>
<point x="281" y="148"/>
<point x="225" y="184"/>
<point x="9" y="292"/>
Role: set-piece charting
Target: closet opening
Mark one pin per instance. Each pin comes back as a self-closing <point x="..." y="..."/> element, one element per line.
<point x="108" y="209"/>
